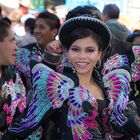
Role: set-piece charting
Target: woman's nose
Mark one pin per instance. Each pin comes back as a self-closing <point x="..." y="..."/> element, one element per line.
<point x="82" y="54"/>
<point x="16" y="48"/>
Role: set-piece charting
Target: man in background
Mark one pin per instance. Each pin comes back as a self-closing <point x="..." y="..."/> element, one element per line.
<point x="111" y="14"/>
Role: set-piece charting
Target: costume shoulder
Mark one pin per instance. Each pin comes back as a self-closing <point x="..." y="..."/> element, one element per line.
<point x="117" y="78"/>
<point x="135" y="66"/>
<point x="23" y="57"/>
<point x="50" y="92"/>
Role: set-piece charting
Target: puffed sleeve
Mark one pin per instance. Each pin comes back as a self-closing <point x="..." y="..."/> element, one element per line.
<point x="123" y="112"/>
<point x="135" y="66"/>
<point x="50" y="92"/>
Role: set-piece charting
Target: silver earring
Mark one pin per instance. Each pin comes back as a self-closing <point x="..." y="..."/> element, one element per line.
<point x="98" y="64"/>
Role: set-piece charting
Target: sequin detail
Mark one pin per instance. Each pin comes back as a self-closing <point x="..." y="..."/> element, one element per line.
<point x="51" y="90"/>
<point x="135" y="66"/>
<point x="18" y="97"/>
<point x="114" y="62"/>
<point x="118" y="88"/>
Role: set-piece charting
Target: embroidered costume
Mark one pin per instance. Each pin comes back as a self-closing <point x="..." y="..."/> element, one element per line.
<point x="12" y="98"/>
<point x="76" y="113"/>
<point x="77" y="110"/>
<point x="118" y="72"/>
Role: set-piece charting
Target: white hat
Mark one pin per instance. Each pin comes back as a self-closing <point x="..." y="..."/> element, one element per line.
<point x="26" y="3"/>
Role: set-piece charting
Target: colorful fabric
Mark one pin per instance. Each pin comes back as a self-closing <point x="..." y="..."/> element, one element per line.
<point x="51" y="91"/>
<point x="16" y="91"/>
<point x="23" y="57"/>
<point x="118" y="89"/>
<point x="135" y="66"/>
<point x="114" y="62"/>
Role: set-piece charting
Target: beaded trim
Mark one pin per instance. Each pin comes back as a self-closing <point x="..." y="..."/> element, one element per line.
<point x="118" y="89"/>
<point x="135" y="66"/>
<point x="89" y="19"/>
<point x="82" y="18"/>
<point x="114" y="62"/>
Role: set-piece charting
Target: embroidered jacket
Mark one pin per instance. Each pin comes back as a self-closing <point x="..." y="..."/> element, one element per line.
<point x="77" y="113"/>
<point x="12" y="98"/>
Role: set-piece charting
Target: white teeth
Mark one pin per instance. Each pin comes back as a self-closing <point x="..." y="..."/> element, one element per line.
<point x="38" y="36"/>
<point x="82" y="64"/>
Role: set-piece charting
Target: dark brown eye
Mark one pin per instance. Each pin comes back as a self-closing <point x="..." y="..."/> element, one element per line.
<point x="90" y="50"/>
<point x="74" y="49"/>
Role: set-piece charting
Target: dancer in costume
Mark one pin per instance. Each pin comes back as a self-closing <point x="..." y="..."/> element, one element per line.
<point x="75" y="105"/>
<point x="80" y="106"/>
<point x="12" y="90"/>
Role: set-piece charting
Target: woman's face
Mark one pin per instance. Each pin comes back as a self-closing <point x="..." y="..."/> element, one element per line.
<point x="137" y="40"/>
<point x="84" y="54"/>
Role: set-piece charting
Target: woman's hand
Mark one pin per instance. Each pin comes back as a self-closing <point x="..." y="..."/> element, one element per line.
<point x="54" y="47"/>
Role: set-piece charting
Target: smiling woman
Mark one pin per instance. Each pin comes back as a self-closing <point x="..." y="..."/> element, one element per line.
<point x="84" y="49"/>
<point x="78" y="96"/>
<point x="76" y="99"/>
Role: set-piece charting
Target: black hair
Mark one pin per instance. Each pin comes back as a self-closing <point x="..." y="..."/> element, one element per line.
<point x="30" y="23"/>
<point x="86" y="9"/>
<point x="0" y="11"/>
<point x="80" y="33"/>
<point x="112" y="10"/>
<point x="51" y="19"/>
<point x="7" y="20"/>
<point x="135" y="34"/>
<point x="4" y="26"/>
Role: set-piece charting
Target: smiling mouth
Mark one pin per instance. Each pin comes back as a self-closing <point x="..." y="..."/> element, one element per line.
<point x="37" y="35"/>
<point x="82" y="65"/>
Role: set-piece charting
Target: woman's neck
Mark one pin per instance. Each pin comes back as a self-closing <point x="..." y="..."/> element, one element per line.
<point x="85" y="80"/>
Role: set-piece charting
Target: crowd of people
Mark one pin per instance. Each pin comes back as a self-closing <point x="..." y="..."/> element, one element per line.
<point x="79" y="80"/>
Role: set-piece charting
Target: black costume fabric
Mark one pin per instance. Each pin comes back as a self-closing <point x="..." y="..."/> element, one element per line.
<point x="12" y="98"/>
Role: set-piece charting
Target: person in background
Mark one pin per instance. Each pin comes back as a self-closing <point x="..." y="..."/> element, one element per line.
<point x="134" y="38"/>
<point x="45" y="30"/>
<point x="12" y="90"/>
<point x="29" y="37"/>
<point x="25" y="6"/>
<point x="7" y="20"/>
<point x="17" y="26"/>
<point x="111" y="14"/>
